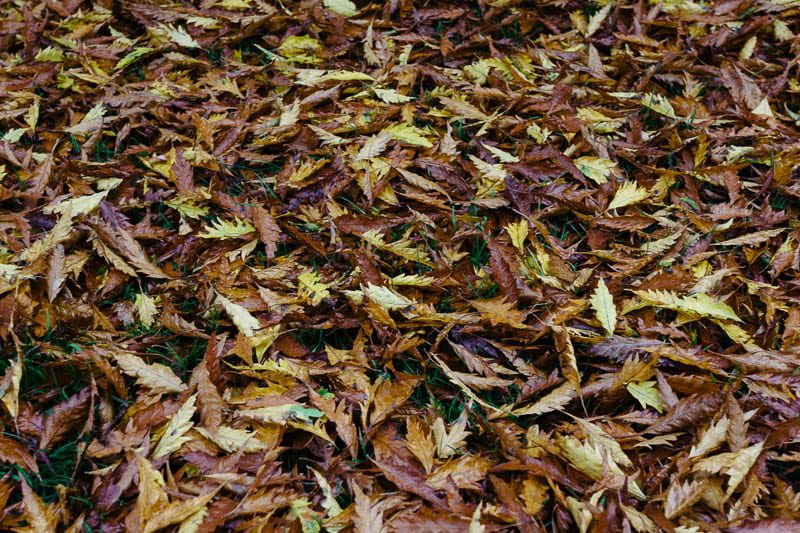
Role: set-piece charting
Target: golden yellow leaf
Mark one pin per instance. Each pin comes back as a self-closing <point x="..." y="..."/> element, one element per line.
<point x="659" y="104"/>
<point x="227" y="229"/>
<point x="390" y="96"/>
<point x="408" y="133"/>
<point x="518" y="232"/>
<point x="597" y="169"/>
<point x="420" y="443"/>
<point x="311" y="288"/>
<point x="77" y="206"/>
<point x="629" y="193"/>
<point x="647" y="394"/>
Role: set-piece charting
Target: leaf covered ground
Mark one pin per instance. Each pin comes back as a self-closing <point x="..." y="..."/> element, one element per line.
<point x="418" y="266"/>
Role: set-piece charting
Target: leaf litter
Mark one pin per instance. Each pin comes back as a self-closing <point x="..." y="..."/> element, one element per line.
<point x="334" y="265"/>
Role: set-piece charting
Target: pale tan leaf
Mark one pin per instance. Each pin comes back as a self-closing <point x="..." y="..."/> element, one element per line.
<point x="603" y="304"/>
<point x="241" y="317"/>
<point x="156" y="377"/>
<point x="452" y="441"/>
<point x="713" y="436"/>
<point x="175" y="434"/>
<point x="555" y="400"/>
<point x="368" y="517"/>
<point x="56" y="274"/>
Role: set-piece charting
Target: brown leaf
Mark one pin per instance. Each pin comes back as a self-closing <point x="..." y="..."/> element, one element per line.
<point x="64" y="418"/>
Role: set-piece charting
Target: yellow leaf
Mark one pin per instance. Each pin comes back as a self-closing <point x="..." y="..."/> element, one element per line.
<point x="179" y="511"/>
<point x="345" y="8"/>
<point x="390" y="96"/>
<point x="174" y="435"/>
<point x="41" y="518"/>
<point x="156" y="377"/>
<point x="374" y="146"/>
<point x="401" y="247"/>
<point x="598" y="121"/>
<point x="594" y="461"/>
<point x="660" y="245"/>
<point x="325" y="136"/>
<point x="311" y="288"/>
<point x="233" y="4"/>
<point x="187" y="206"/>
<point x="749" y="47"/>
<point x="77" y="206"/>
<point x="698" y="304"/>
<point x="368" y="516"/>
<point x="312" y="77"/>
<point x="329" y="503"/>
<point x="501" y="155"/>
<point x="300" y="49"/>
<point x="226" y="229"/>
<point x="629" y="193"/>
<point x="181" y="37"/>
<point x="566" y="356"/>
<point x="603" y="304"/>
<point x="409" y="134"/>
<point x="132" y="57"/>
<point x="412" y="280"/>
<point x="50" y="54"/>
<point x="597" y="169"/>
<point x="518" y="231"/>
<point x="290" y="114"/>
<point x="475" y="525"/>
<point x="538" y="133"/>
<point x="13" y="135"/>
<point x="580" y="512"/>
<point x="241" y="317"/>
<point x="300" y="509"/>
<point x="32" y="115"/>
<point x="193" y="522"/>
<point x="782" y="31"/>
<point x="146" y="307"/>
<point x="659" y="104"/>
<point x="647" y="394"/>
<point x="387" y="298"/>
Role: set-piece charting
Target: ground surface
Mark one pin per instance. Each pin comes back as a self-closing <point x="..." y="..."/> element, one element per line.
<point x="417" y="266"/>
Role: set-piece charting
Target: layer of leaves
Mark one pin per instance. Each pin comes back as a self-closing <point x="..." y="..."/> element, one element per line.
<point x="423" y="266"/>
